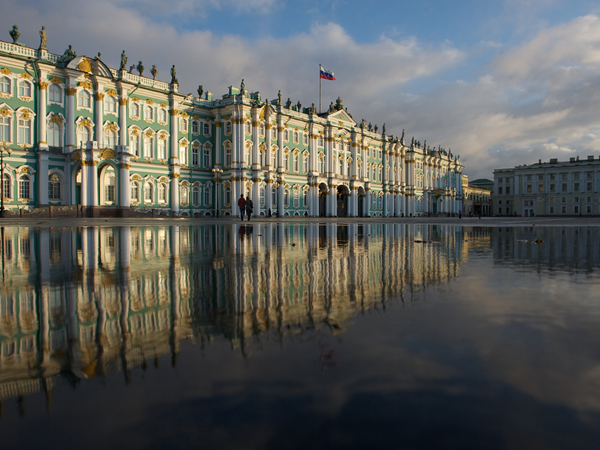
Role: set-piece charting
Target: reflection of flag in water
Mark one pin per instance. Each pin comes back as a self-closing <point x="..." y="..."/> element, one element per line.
<point x="327" y="74"/>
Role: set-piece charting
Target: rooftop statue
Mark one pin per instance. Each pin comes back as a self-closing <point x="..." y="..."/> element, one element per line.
<point x="383" y="130"/>
<point x="279" y="97"/>
<point x="375" y="128"/>
<point x="154" y="71"/>
<point x="370" y="126"/>
<point x="331" y="108"/>
<point x="299" y="106"/>
<point x="67" y="57"/>
<point x="43" y="38"/>
<point x="131" y="68"/>
<point x="123" y="61"/>
<point x="363" y="124"/>
<point x="98" y="57"/>
<point x="140" y="68"/>
<point x="174" y="76"/>
<point x="14" y="34"/>
<point x="312" y="109"/>
<point x="288" y="104"/>
<point x="338" y="104"/>
<point x="242" y="86"/>
<point x="200" y="91"/>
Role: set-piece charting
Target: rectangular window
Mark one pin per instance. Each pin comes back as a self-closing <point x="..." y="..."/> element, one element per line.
<point x="499" y="190"/>
<point x="552" y="188"/>
<point x="552" y="177"/>
<point x="552" y="210"/>
<point x="529" y="189"/>
<point x="576" y="176"/>
<point x="24" y="132"/>
<point x="162" y="149"/>
<point x="563" y="176"/>
<point x="589" y="187"/>
<point x="576" y="187"/>
<point x="564" y="209"/>
<point x="564" y="187"/>
<point x="529" y="177"/>
<point x="5" y="129"/>
<point x="589" y="199"/>
<point x="507" y="190"/>
<point x="576" y="209"/>
<point x="540" y="188"/>
<point x="589" y="209"/>
<point x="540" y="177"/>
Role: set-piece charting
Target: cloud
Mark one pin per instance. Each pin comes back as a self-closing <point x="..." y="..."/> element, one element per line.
<point x="535" y="100"/>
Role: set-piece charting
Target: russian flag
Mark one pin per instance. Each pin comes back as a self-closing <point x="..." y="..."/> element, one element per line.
<point x="327" y="74"/>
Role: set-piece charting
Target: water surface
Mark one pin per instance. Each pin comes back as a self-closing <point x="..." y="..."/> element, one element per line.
<point x="300" y="336"/>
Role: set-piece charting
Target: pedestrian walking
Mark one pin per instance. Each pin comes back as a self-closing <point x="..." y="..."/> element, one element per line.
<point x="249" y="207"/>
<point x="242" y="206"/>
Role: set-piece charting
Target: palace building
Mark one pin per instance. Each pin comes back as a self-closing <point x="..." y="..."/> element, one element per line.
<point x="76" y="134"/>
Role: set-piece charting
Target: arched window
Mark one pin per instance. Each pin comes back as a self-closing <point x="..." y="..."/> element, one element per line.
<point x="305" y="162"/>
<point x="207" y="195"/>
<point x="162" y="192"/>
<point x="321" y="164"/>
<point x="227" y="128"/>
<point x="262" y="196"/>
<point x="207" y="130"/>
<point x="196" y="195"/>
<point x="228" y="156"/>
<point x="110" y="104"/>
<point x="183" y="195"/>
<point x="262" y="130"/>
<point x="274" y="197"/>
<point x="286" y="197"/>
<point x="110" y="138"/>
<point x="55" y="93"/>
<point x="24" y="89"/>
<point x="135" y="191"/>
<point x="320" y="141"/>
<point x="273" y="132"/>
<point x="162" y="115"/>
<point x="305" y="198"/>
<point x="109" y="187"/>
<point x="84" y="99"/>
<point x="6" y="186"/>
<point x="54" y="187"/>
<point x="206" y="158"/>
<point x="183" y="155"/>
<point x="304" y="139"/>
<point x="247" y="155"/>
<point x="162" y="149"/>
<point x="195" y="156"/>
<point x="53" y="134"/>
<point x="296" y="198"/>
<point x="24" y="184"/>
<point x="149" y="113"/>
<point x="341" y="167"/>
<point x="228" y="196"/>
<point x="286" y="135"/>
<point x="148" y="192"/>
<point x="5" y="123"/>
<point x="135" y="110"/>
<point x="183" y="125"/>
<point x="148" y="146"/>
<point x="195" y="127"/>
<point x="286" y="161"/>
<point x="274" y="158"/>
<point x="5" y="85"/>
<point x="248" y="127"/>
<point x="296" y="163"/>
<point x="296" y="136"/>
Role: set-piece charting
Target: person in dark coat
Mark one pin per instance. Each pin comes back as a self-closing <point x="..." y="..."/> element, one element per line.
<point x="249" y="207"/>
<point x="242" y="206"/>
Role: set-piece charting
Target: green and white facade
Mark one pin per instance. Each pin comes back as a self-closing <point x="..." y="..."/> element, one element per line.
<point x="81" y="133"/>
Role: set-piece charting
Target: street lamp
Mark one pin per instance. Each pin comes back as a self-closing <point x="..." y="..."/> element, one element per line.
<point x="217" y="174"/>
<point x="8" y="151"/>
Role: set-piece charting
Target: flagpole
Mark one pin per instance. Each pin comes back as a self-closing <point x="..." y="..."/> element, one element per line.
<point x="319" y="88"/>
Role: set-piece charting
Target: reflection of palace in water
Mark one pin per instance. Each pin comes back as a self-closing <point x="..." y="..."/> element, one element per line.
<point x="86" y="302"/>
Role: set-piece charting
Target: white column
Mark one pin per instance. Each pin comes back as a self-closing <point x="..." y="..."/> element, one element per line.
<point x="41" y="116"/>
<point x="123" y="119"/>
<point x="125" y="185"/>
<point x="174" y="160"/>
<point x="99" y="99"/>
<point x="70" y="118"/>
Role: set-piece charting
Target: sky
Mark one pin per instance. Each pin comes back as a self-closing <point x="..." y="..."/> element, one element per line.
<point x="501" y="83"/>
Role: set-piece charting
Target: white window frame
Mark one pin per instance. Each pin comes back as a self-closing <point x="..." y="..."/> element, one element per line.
<point x="110" y="105"/>
<point x="60" y="93"/>
<point x="84" y="94"/>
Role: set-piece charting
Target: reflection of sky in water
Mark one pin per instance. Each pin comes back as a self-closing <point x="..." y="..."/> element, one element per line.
<point x="300" y="337"/>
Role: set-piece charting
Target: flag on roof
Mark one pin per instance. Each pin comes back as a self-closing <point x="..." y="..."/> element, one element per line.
<point x="327" y="74"/>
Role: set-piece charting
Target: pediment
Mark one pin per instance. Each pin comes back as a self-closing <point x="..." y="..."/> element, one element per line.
<point x="341" y="116"/>
<point x="90" y="66"/>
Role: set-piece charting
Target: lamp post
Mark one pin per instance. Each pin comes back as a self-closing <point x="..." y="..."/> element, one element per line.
<point x="217" y="174"/>
<point x="8" y="151"/>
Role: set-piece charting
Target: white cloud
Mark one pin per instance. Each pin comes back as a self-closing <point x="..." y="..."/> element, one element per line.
<point x="538" y="99"/>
